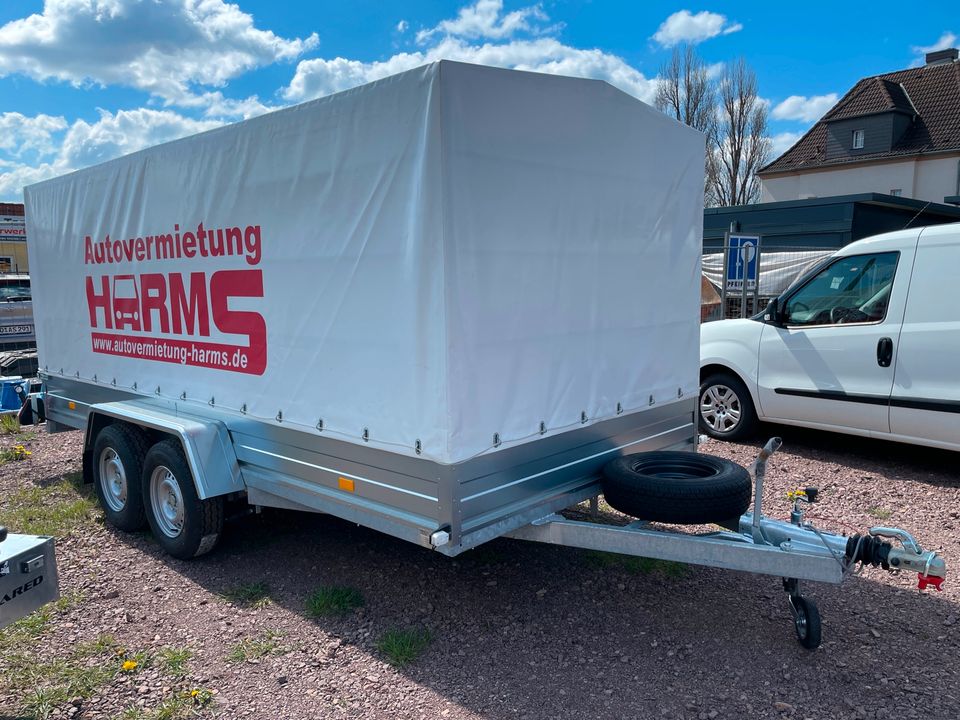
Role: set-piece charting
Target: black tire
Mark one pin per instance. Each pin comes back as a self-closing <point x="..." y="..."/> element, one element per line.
<point x="726" y="410"/>
<point x="677" y="487"/>
<point x="807" y="623"/>
<point x="118" y="453"/>
<point x="184" y="525"/>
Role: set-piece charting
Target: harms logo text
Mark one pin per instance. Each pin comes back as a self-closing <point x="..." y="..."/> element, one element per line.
<point x="167" y="316"/>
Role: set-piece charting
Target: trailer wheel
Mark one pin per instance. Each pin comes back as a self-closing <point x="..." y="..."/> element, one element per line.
<point x="806" y="621"/>
<point x="183" y="524"/>
<point x="677" y="487"/>
<point x="118" y="453"/>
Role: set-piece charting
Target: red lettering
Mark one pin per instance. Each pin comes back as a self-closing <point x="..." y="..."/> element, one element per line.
<point x="153" y="296"/>
<point x="189" y="245"/>
<point x="225" y="284"/>
<point x="101" y="301"/>
<point x="193" y="311"/>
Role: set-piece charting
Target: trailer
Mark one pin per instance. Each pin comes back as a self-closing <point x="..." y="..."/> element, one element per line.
<point x="439" y="305"/>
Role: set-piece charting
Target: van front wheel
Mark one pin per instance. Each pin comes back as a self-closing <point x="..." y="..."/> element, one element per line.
<point x="184" y="525"/>
<point x="726" y="409"/>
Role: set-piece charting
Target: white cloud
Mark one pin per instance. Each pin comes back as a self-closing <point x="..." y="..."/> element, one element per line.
<point x="402" y="26"/>
<point x="215" y="105"/>
<point x="190" y="49"/>
<point x="685" y="27"/>
<point x="804" y="109"/>
<point x="715" y="70"/>
<point x="317" y="77"/>
<point x="84" y="144"/>
<point x="947" y="40"/>
<point x="781" y="142"/>
<point x="160" y="47"/>
<point x="485" y="19"/>
<point x="20" y="134"/>
<point x="450" y="40"/>
<point x="123" y="132"/>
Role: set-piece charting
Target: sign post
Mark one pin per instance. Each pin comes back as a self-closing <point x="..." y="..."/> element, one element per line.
<point x="741" y="268"/>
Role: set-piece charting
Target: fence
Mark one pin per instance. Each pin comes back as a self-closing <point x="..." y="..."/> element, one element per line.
<point x="778" y="268"/>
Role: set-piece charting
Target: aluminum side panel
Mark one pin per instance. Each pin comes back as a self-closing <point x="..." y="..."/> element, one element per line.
<point x="498" y="489"/>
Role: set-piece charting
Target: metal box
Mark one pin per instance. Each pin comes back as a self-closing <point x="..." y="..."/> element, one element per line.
<point x="28" y="576"/>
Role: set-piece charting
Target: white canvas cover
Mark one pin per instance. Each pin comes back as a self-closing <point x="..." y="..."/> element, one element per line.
<point x="778" y="269"/>
<point x="439" y="256"/>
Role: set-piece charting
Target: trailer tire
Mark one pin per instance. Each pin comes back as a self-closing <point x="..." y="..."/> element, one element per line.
<point x="685" y="488"/>
<point x="118" y="453"/>
<point x="184" y="525"/>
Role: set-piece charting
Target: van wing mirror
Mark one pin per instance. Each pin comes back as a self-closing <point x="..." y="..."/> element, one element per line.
<point x="772" y="314"/>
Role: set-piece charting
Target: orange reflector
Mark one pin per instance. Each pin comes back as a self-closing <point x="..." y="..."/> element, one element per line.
<point x="345" y="484"/>
<point x="72" y="405"/>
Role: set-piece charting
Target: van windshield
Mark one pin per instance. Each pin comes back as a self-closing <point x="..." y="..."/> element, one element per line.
<point x="13" y="290"/>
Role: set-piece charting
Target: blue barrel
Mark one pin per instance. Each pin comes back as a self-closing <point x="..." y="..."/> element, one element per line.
<point x="9" y="400"/>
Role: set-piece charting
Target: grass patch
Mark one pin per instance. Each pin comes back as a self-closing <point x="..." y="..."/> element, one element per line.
<point x="57" y="509"/>
<point x="14" y="453"/>
<point x="267" y="643"/>
<point x="103" y="644"/>
<point x="44" y="686"/>
<point x="402" y="647"/>
<point x="41" y="686"/>
<point x="174" y="660"/>
<point x="333" y="600"/>
<point x="25" y="631"/>
<point x="254" y="595"/>
<point x="9" y="424"/>
<point x="880" y="513"/>
<point x="184" y="704"/>
<point x="636" y="565"/>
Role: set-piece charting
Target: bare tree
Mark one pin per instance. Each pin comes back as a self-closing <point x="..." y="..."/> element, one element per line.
<point x="686" y="93"/>
<point x="740" y="145"/>
<point x="684" y="90"/>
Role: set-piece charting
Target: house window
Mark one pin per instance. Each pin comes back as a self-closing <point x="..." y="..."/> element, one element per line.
<point x="858" y="139"/>
<point x="896" y="192"/>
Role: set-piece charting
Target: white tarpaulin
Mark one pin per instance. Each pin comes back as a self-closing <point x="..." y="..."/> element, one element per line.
<point x="442" y="255"/>
<point x="777" y="269"/>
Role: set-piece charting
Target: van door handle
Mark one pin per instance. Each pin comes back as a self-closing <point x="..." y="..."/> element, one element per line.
<point x="884" y="352"/>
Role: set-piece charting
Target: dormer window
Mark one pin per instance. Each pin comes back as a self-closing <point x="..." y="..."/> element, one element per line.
<point x="858" y="139"/>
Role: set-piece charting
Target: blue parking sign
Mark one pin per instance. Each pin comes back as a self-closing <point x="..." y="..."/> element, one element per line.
<point x="742" y="261"/>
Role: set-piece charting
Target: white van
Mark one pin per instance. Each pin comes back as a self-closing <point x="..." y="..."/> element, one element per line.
<point x="867" y="343"/>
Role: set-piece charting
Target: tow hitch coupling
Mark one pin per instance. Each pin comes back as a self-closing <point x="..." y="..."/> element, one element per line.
<point x="871" y="550"/>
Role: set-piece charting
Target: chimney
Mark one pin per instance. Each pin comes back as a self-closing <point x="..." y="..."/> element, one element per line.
<point x="940" y="57"/>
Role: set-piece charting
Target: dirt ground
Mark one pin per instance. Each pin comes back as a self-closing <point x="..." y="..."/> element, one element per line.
<point x="511" y="630"/>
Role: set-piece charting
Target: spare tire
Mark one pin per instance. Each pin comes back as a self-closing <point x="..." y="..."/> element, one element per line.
<point x="686" y="488"/>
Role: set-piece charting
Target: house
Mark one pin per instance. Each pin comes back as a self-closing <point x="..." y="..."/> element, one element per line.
<point x="13" y="238"/>
<point x="894" y="134"/>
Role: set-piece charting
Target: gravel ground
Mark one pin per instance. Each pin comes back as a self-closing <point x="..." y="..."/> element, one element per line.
<point x="517" y="630"/>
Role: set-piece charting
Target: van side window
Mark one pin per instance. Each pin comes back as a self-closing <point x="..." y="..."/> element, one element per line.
<point x="852" y="289"/>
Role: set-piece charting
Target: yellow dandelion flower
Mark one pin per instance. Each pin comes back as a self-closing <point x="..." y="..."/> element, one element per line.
<point x="129" y="665"/>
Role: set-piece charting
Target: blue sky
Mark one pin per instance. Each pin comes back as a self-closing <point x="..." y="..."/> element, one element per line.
<point x="82" y="81"/>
